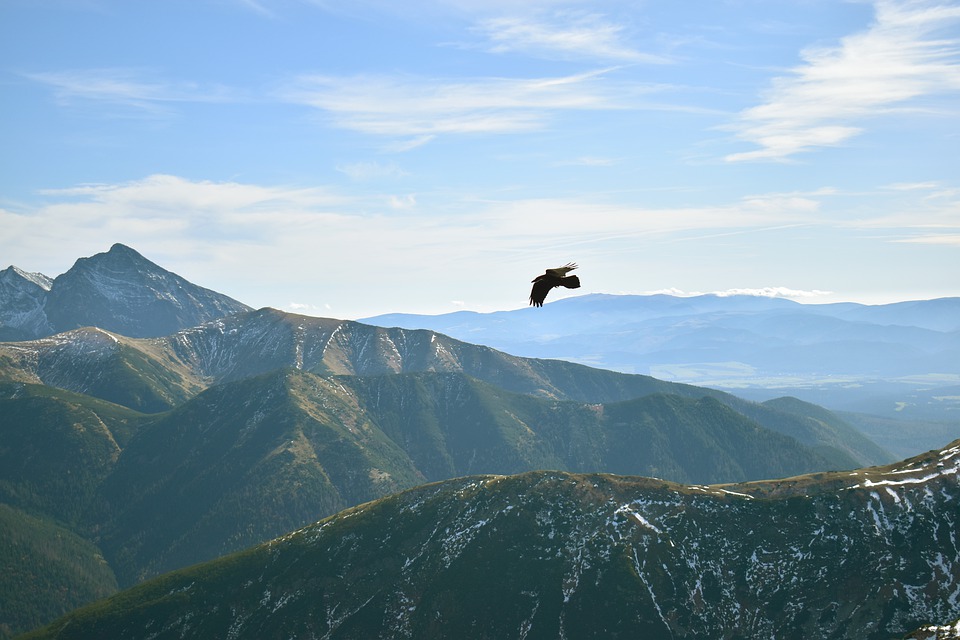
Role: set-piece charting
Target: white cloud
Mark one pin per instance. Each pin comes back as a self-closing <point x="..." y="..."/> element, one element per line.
<point x="363" y="171"/>
<point x="909" y="52"/>
<point x="172" y="215"/>
<point x="569" y="35"/>
<point x="759" y="292"/>
<point x="313" y="245"/>
<point x="912" y="186"/>
<point x="421" y="108"/>
<point x="588" y="161"/>
<point x="408" y="201"/>
<point x="945" y="239"/>
<point x="775" y="292"/>
<point x="134" y="89"/>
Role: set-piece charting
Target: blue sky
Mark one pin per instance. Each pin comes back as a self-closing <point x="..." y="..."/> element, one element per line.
<point x="352" y="158"/>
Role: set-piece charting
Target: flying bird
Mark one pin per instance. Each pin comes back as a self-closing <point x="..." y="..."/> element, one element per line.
<point x="553" y="278"/>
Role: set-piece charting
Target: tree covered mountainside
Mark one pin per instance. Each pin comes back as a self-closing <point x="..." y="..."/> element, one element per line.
<point x="866" y="554"/>
<point x="249" y="460"/>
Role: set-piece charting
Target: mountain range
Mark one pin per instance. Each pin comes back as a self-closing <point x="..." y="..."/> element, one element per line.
<point x="123" y="456"/>
<point x="870" y="554"/>
<point x="897" y="365"/>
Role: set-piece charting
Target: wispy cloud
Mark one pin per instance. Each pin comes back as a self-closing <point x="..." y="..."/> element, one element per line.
<point x="588" y="161"/>
<point x="775" y="292"/>
<point x="163" y="211"/>
<point x="759" y="292"/>
<point x="257" y="7"/>
<point x="363" y="171"/>
<point x="945" y="239"/>
<point x="567" y="35"/>
<point x="909" y="52"/>
<point x="267" y="239"/>
<point x="133" y="89"/>
<point x="421" y="108"/>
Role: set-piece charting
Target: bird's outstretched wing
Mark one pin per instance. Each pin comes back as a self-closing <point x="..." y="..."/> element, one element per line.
<point x="559" y="272"/>
<point x="541" y="287"/>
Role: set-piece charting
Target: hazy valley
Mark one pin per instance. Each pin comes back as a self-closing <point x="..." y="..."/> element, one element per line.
<point x="896" y="365"/>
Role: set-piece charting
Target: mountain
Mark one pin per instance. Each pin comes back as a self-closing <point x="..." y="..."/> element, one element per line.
<point x="157" y="374"/>
<point x="249" y="460"/>
<point x="143" y="453"/>
<point x="48" y="570"/>
<point x="104" y="365"/>
<point x="22" y="297"/>
<point x="119" y="291"/>
<point x="869" y="554"/>
<point x="896" y="361"/>
<point x="948" y="631"/>
<point x="56" y="449"/>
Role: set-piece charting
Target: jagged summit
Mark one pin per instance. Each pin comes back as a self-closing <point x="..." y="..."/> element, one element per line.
<point x="118" y="290"/>
<point x="12" y="273"/>
<point x="22" y="298"/>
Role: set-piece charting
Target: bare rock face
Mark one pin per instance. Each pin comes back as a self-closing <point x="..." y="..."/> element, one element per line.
<point x="119" y="291"/>
<point x="124" y="292"/>
<point x="22" y="298"/>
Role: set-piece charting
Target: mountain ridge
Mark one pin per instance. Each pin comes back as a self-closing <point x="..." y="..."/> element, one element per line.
<point x="249" y="424"/>
<point x="156" y="374"/>
<point x="253" y="458"/>
<point x="549" y="554"/>
<point x="897" y="362"/>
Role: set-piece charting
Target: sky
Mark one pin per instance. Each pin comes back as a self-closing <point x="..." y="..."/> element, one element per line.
<point x="353" y="158"/>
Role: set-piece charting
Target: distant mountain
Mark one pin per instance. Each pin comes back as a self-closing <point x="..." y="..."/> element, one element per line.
<point x="731" y="338"/>
<point x="118" y="291"/>
<point x="866" y="555"/>
<point x="22" y="298"/>
<point x="898" y="361"/>
<point x="157" y="374"/>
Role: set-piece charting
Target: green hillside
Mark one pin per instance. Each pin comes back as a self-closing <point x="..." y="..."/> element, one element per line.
<point x="265" y="421"/>
<point x="47" y="571"/>
<point x="57" y="448"/>
<point x="868" y="554"/>
<point x="250" y="460"/>
<point x="159" y="374"/>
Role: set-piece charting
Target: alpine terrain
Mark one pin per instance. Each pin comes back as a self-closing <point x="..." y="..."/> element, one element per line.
<point x="147" y="424"/>
<point x="864" y="554"/>
<point x="896" y="365"/>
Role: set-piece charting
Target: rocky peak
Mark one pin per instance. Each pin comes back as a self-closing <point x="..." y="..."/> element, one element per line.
<point x="119" y="290"/>
<point x="13" y="276"/>
<point x="22" y="298"/>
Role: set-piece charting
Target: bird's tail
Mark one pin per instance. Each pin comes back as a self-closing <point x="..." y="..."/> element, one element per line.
<point x="570" y="282"/>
